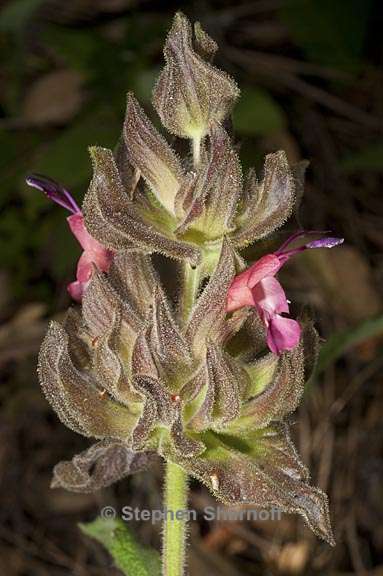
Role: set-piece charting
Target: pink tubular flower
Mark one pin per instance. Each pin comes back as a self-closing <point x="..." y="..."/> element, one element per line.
<point x="258" y="287"/>
<point x="94" y="253"/>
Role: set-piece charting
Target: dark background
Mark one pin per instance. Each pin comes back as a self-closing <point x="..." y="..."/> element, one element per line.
<point x="312" y="83"/>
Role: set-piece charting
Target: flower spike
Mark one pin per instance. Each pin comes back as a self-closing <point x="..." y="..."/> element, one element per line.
<point x="150" y="363"/>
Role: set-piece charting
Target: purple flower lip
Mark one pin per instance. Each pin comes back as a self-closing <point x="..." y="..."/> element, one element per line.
<point x="54" y="191"/>
<point x="326" y="242"/>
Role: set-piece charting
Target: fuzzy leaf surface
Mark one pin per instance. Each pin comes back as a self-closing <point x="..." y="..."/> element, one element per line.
<point x="266" y="204"/>
<point x="99" y="466"/>
<point x="149" y="152"/>
<point x="262" y="469"/>
<point x="113" y="220"/>
<point x="190" y="93"/>
<point x="130" y="557"/>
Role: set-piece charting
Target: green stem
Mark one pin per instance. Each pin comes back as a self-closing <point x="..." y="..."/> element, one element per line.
<point x="190" y="289"/>
<point x="176" y="479"/>
<point x="175" y="499"/>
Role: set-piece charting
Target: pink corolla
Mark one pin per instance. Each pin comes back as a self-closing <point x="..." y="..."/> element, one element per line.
<point x="258" y="287"/>
<point x="94" y="253"/>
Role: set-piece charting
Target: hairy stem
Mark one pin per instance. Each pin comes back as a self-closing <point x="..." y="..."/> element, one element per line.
<point x="196" y="150"/>
<point x="190" y="289"/>
<point x="175" y="500"/>
<point x="176" y="479"/>
<point x="191" y="275"/>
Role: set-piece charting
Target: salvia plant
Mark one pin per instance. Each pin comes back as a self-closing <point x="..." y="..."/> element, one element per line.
<point x="206" y="377"/>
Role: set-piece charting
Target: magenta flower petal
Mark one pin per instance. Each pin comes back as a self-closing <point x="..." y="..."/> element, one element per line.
<point x="77" y="226"/>
<point x="282" y="334"/>
<point x="93" y="250"/>
<point x="269" y="297"/>
<point x="76" y="290"/>
<point x="266" y="266"/>
<point x="239" y="296"/>
<point x="94" y="254"/>
<point x="240" y="293"/>
<point x="85" y="266"/>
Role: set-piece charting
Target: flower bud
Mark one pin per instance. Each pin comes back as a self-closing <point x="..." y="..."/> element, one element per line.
<point x="190" y="93"/>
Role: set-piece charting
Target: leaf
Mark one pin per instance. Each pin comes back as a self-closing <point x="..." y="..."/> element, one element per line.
<point x="262" y="468"/>
<point x="215" y="190"/>
<point x="78" y="346"/>
<point x="205" y="46"/>
<point x="142" y="358"/>
<point x="225" y="381"/>
<point x="75" y="395"/>
<point x="170" y="349"/>
<point x="112" y="219"/>
<point x="133" y="277"/>
<point x="149" y="152"/>
<point x="99" y="306"/>
<point x="266" y="205"/>
<point x="213" y="394"/>
<point x="257" y="113"/>
<point x="130" y="557"/>
<point x="278" y="399"/>
<point x="183" y="443"/>
<point x="99" y="466"/>
<point x="159" y="409"/>
<point x="208" y="314"/>
<point x="110" y="352"/>
<point x="261" y="373"/>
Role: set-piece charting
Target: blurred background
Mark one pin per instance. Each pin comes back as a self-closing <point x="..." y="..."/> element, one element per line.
<point x="312" y="83"/>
